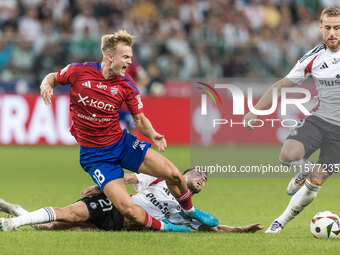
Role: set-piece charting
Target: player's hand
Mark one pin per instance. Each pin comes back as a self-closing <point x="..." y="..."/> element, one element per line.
<point x="91" y="191"/>
<point x="159" y="141"/>
<point x="46" y="92"/>
<point x="252" y="228"/>
<point x="249" y="119"/>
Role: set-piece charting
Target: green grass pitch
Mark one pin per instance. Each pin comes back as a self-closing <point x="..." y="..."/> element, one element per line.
<point x="51" y="176"/>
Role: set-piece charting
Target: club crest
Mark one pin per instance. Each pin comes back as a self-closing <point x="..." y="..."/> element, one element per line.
<point x="113" y="91"/>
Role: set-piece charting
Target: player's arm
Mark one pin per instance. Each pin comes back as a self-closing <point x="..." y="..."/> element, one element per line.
<point x="130" y="179"/>
<point x="47" y="85"/>
<point x="144" y="126"/>
<point x="95" y="190"/>
<point x="251" y="228"/>
<point x="266" y="99"/>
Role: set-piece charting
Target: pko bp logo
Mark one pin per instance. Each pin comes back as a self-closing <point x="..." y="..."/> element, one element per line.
<point x="238" y="102"/>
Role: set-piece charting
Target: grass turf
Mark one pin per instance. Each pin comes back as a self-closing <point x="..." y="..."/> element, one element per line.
<point x="51" y="176"/>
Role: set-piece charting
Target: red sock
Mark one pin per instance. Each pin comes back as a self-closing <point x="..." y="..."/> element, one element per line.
<point x="151" y="222"/>
<point x="185" y="200"/>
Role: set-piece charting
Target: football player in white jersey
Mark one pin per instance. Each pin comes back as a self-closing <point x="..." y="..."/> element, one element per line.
<point x="96" y="212"/>
<point x="321" y="130"/>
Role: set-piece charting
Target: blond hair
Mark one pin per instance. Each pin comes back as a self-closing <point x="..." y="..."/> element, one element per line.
<point x="109" y="42"/>
<point x="330" y="12"/>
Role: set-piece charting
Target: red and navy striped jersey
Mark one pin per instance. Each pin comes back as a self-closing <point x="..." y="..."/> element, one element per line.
<point x="94" y="103"/>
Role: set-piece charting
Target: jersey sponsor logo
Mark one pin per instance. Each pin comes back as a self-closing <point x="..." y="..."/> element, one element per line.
<point x="140" y="104"/>
<point x="114" y="91"/>
<point x="330" y="83"/>
<point x="324" y="66"/>
<point x="162" y="207"/>
<point x="95" y="103"/>
<point x="87" y="84"/>
<point x="101" y="86"/>
<point x="93" y="118"/>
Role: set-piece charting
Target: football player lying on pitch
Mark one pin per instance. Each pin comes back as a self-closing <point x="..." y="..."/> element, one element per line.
<point x="96" y="212"/>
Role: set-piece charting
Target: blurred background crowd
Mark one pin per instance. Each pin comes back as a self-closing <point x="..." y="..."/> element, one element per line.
<point x="175" y="39"/>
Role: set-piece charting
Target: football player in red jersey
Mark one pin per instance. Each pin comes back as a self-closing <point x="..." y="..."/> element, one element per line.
<point x="97" y="92"/>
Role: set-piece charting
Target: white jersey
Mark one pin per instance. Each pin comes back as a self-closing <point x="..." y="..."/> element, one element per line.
<point x="323" y="66"/>
<point x="154" y="196"/>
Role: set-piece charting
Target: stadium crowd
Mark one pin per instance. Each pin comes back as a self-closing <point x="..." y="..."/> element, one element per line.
<point x="175" y="38"/>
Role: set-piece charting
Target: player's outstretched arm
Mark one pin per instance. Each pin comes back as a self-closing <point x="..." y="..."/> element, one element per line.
<point x="266" y="99"/>
<point x="251" y="228"/>
<point x="95" y="190"/>
<point x="47" y="85"/>
<point x="130" y="179"/>
<point x="91" y="191"/>
<point x="144" y="126"/>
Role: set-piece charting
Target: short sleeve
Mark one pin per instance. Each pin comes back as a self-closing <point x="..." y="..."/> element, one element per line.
<point x="303" y="68"/>
<point x="63" y="76"/>
<point x="298" y="74"/>
<point x="144" y="181"/>
<point x="133" y="99"/>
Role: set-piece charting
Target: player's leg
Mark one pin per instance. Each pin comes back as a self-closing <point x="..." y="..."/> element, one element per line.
<point x="116" y="191"/>
<point x="292" y="155"/>
<point x="157" y="165"/>
<point x="329" y="158"/>
<point x="299" y="145"/>
<point x="104" y="165"/>
<point x="300" y="200"/>
<point x="11" y="209"/>
<point x="74" y="213"/>
<point x="62" y="225"/>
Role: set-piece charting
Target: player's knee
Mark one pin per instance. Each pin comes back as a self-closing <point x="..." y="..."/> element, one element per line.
<point x="287" y="156"/>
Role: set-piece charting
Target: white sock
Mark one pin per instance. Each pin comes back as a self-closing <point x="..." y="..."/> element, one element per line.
<point x="298" y="202"/>
<point x="189" y="211"/>
<point x="42" y="215"/>
<point x="20" y="211"/>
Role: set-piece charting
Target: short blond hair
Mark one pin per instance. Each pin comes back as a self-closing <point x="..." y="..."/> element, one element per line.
<point x="109" y="42"/>
<point x="330" y="12"/>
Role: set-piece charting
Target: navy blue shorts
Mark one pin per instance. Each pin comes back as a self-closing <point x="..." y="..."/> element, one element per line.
<point x="105" y="164"/>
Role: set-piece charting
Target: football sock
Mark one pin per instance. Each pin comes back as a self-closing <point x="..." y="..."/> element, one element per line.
<point x="298" y="202"/>
<point x="153" y="223"/>
<point x="20" y="211"/>
<point x="185" y="201"/>
<point x="46" y="214"/>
